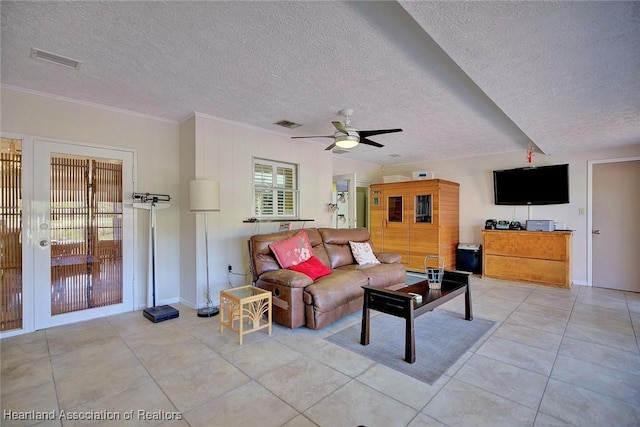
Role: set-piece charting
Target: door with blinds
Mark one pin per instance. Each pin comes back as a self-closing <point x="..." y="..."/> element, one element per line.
<point x="82" y="252"/>
<point x="11" y="277"/>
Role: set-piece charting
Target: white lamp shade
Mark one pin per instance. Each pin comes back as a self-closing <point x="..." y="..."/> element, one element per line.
<point x="204" y="196"/>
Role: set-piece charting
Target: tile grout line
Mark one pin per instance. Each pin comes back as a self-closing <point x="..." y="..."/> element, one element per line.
<point x="546" y="386"/>
<point x="148" y="373"/>
<point x="53" y="376"/>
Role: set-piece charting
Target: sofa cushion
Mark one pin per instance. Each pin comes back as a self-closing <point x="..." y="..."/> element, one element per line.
<point x="363" y="253"/>
<point x="262" y="257"/>
<point x="284" y="277"/>
<point x="292" y="251"/>
<point x="389" y="258"/>
<point x="313" y="267"/>
<point x="380" y="275"/>
<point x="336" y="242"/>
<point x="334" y="290"/>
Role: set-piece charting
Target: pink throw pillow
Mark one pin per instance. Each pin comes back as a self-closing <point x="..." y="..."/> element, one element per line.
<point x="292" y="251"/>
<point x="312" y="267"/>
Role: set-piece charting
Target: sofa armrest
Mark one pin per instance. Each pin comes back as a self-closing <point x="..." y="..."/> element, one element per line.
<point x="389" y="258"/>
<point x="288" y="278"/>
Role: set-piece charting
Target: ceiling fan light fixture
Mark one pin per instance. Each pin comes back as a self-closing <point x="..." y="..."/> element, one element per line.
<point x="347" y="141"/>
<point x="345" y="137"/>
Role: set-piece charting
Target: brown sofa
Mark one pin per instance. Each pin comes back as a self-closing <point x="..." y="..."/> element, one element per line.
<point x="298" y="300"/>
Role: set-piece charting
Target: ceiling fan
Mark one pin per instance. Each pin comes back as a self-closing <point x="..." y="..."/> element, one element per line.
<point x="348" y="137"/>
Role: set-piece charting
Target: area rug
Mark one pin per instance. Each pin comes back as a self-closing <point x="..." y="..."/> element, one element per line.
<point x="442" y="337"/>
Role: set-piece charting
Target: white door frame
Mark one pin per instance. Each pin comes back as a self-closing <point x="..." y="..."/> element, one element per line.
<point x="29" y="235"/>
<point x="40" y="215"/>
<point x="589" y="236"/>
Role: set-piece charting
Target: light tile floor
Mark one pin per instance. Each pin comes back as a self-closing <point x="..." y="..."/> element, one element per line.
<point x="555" y="358"/>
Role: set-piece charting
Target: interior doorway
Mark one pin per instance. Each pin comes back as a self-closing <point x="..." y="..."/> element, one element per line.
<point x="362" y="205"/>
<point x="345" y="201"/>
<point x="615" y="209"/>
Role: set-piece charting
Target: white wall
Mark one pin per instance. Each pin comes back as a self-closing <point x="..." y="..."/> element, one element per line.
<point x="170" y="155"/>
<point x="365" y="172"/>
<point x="224" y="152"/>
<point x="475" y="175"/>
<point x="188" y="249"/>
<point x="156" y="143"/>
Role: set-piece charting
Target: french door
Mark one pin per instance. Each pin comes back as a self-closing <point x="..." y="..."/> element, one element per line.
<point x="11" y="235"/>
<point x="82" y="238"/>
<point x="81" y="232"/>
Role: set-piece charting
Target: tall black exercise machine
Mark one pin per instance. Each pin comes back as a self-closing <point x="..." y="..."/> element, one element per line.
<point x="152" y="202"/>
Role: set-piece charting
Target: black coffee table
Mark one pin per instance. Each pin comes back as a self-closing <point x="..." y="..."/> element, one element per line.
<point x="401" y="303"/>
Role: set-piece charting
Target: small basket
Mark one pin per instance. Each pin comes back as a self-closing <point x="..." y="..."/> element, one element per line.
<point x="434" y="274"/>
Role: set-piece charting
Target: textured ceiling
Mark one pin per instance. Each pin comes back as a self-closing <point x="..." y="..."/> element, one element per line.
<point x="461" y="78"/>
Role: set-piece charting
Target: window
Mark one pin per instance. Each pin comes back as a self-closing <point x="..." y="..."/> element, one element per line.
<point x="275" y="189"/>
<point x="423" y="208"/>
<point x="394" y="209"/>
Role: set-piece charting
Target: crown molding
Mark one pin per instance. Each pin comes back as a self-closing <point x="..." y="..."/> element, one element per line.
<point x="232" y="122"/>
<point x="87" y="103"/>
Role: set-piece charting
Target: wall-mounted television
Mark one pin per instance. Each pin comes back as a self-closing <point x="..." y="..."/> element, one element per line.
<point x="541" y="185"/>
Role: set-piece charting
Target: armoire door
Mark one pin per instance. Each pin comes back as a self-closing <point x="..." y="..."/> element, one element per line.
<point x="423" y="225"/>
<point x="391" y="212"/>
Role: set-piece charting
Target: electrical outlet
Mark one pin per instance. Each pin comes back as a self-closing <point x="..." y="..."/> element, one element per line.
<point x="230" y="268"/>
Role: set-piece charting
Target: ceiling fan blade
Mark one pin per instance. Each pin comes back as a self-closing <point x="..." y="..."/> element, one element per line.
<point x="330" y="147"/>
<point x="366" y="133"/>
<point x="317" y="136"/>
<point x="340" y="127"/>
<point x="370" y="142"/>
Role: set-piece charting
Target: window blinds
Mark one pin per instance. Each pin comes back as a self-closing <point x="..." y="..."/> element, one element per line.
<point x="275" y="189"/>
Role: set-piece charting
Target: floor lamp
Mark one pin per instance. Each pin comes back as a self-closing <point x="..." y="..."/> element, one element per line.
<point x="205" y="197"/>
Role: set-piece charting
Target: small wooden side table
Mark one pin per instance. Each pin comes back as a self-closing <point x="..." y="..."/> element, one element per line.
<point x="245" y="304"/>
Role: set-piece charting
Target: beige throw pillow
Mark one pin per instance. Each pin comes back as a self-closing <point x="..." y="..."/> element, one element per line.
<point x="363" y="253"/>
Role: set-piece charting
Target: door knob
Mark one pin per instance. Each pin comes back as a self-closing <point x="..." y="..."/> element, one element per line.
<point x="44" y="243"/>
<point x="596" y="231"/>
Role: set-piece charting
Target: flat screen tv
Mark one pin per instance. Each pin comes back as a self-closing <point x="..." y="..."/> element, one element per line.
<point x="542" y="185"/>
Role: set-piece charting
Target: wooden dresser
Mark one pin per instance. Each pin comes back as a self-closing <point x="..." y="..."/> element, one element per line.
<point x="542" y="257"/>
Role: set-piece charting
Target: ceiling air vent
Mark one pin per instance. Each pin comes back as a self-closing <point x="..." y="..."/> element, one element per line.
<point x="56" y="59"/>
<point x="287" y="124"/>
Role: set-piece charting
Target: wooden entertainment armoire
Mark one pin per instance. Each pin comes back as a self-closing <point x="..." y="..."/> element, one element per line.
<point x="414" y="219"/>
